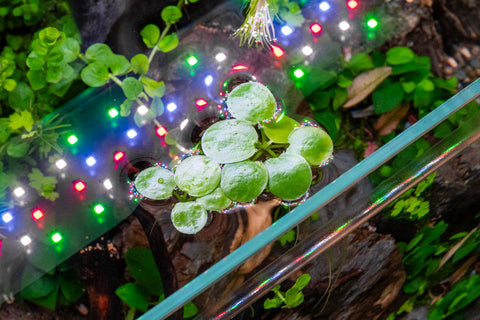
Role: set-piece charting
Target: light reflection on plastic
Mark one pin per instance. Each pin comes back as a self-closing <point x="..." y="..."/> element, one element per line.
<point x="324" y="6"/>
<point x="131" y="133"/>
<point x="286" y="30"/>
<point x="79" y="185"/>
<point x="61" y="164"/>
<point x="239" y="67"/>
<point x="183" y="124"/>
<point x="25" y="240"/>
<point x="107" y="184"/>
<point x="201" y="103"/>
<point x="171" y="107"/>
<point x="352" y="4"/>
<point x="208" y="80"/>
<point x="90" y="161"/>
<point x="344" y="25"/>
<point x="18" y="192"/>
<point x="316" y="28"/>
<point x="277" y="51"/>
<point x="142" y="110"/>
<point x="37" y="214"/>
<point x="7" y="217"/>
<point x="119" y="155"/>
<point x="220" y="57"/>
<point x="161" y="131"/>
<point x="307" y="50"/>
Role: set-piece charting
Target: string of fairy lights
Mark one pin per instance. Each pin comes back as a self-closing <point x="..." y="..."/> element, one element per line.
<point x="280" y="49"/>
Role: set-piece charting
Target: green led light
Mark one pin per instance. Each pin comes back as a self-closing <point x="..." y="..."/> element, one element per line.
<point x="298" y="73"/>
<point x="56" y="237"/>
<point x="72" y="139"/>
<point x="192" y="60"/>
<point x="98" y="209"/>
<point x="372" y="23"/>
<point x="113" y="113"/>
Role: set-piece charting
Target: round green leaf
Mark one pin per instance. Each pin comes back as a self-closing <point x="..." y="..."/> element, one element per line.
<point x="155" y="183"/>
<point x="243" y="181"/>
<point x="215" y="201"/>
<point x="171" y="14"/>
<point x="131" y="87"/>
<point x="251" y="101"/>
<point x="399" y="55"/>
<point x="9" y="84"/>
<point x="95" y="74"/>
<point x="49" y="35"/>
<point x="230" y="141"/>
<point x="278" y="130"/>
<point x="140" y="64"/>
<point x="150" y="35"/>
<point x="118" y="64"/>
<point x="99" y="52"/>
<point x="70" y="49"/>
<point x="135" y="296"/>
<point x="189" y="217"/>
<point x="312" y="143"/>
<point x="36" y="78"/>
<point x="54" y="74"/>
<point x="35" y="61"/>
<point x="17" y="150"/>
<point x="289" y="176"/>
<point x="198" y="175"/>
<point x="153" y="88"/>
<point x="168" y="43"/>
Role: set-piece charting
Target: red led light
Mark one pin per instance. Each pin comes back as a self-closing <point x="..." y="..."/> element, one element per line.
<point x="37" y="214"/>
<point x="316" y="28"/>
<point x="352" y="4"/>
<point x="79" y="185"/>
<point x="277" y="51"/>
<point x="239" y="67"/>
<point x="161" y="131"/>
<point x="119" y="155"/>
<point x="199" y="103"/>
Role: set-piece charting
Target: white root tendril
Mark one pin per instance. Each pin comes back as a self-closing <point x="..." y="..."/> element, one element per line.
<point x="258" y="26"/>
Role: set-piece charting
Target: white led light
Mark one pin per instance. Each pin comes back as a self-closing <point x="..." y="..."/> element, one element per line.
<point x="25" y="240"/>
<point x="324" y="6"/>
<point x="18" y="192"/>
<point x="221" y="57"/>
<point x="344" y="25"/>
<point x="307" y="50"/>
<point x="286" y="30"/>
<point x="142" y="110"/>
<point x="171" y="107"/>
<point x="107" y="184"/>
<point x="91" y="161"/>
<point x="61" y="164"/>
<point x="131" y="133"/>
<point x="7" y="217"/>
<point x="183" y="124"/>
<point x="208" y="80"/>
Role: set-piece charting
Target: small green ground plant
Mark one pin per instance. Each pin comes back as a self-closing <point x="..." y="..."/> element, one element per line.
<point x="291" y="298"/>
<point x="146" y="290"/>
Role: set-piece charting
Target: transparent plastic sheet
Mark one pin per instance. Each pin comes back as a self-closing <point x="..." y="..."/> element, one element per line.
<point x="338" y="228"/>
<point x="327" y="194"/>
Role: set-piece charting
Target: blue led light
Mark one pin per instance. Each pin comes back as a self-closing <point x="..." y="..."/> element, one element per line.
<point x="171" y="107"/>
<point x="208" y="80"/>
<point x="7" y="217"/>
<point x="324" y="6"/>
<point x="286" y="30"/>
<point x="131" y="133"/>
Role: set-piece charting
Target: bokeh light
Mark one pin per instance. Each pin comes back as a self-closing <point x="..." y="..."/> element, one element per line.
<point x="315" y="28"/>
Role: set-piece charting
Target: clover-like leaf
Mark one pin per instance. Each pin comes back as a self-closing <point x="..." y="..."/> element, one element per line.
<point x="95" y="74"/>
<point x="131" y="87"/>
<point x="140" y="64"/>
<point x="168" y="43"/>
<point x="150" y="35"/>
<point x="171" y="14"/>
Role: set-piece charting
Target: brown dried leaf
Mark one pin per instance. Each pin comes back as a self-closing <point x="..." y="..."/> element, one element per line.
<point x="454" y="249"/>
<point x="463" y="269"/>
<point x="364" y="84"/>
<point x="389" y="121"/>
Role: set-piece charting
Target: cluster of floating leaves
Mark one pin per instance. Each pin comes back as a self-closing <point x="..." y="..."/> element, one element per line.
<point x="226" y="177"/>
